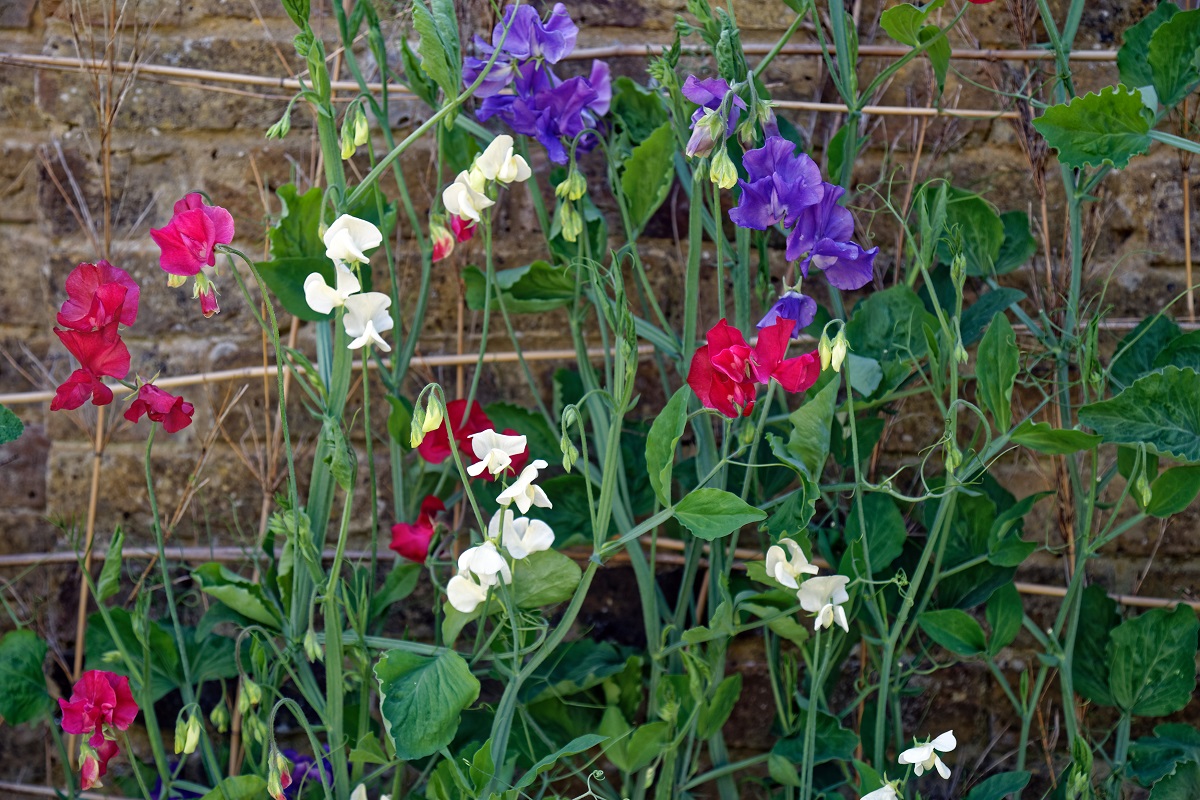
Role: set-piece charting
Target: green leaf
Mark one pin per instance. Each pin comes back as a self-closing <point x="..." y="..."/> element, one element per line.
<point x="955" y="630"/>
<point x="544" y="579"/>
<point x="1173" y="491"/>
<point x="1004" y="615"/>
<point x="340" y="457"/>
<point x="1161" y="409"/>
<point x="1153" y="668"/>
<point x="833" y="742"/>
<point x="640" y="111"/>
<point x="791" y="517"/>
<point x="865" y="374"/>
<point x="781" y="770"/>
<point x="1090" y="664"/>
<point x="368" y="751"/>
<point x="885" y="534"/>
<point x="1019" y="244"/>
<point x="1097" y="129"/>
<point x="399" y="584"/>
<point x="1172" y="57"/>
<point x="996" y="370"/>
<point x="576" y="667"/>
<point x="242" y="787"/>
<point x="415" y="78"/>
<point x="285" y="278"/>
<point x="297" y="234"/>
<point x="648" y="174"/>
<point x="421" y="699"/>
<point x="1044" y="438"/>
<point x="889" y="325"/>
<point x="1154" y="757"/>
<point x="808" y="442"/>
<point x="665" y="433"/>
<point x="1145" y="343"/>
<point x="715" y="712"/>
<point x="713" y="513"/>
<point x="977" y="227"/>
<point x="399" y="421"/>
<point x="580" y="744"/>
<point x="999" y="786"/>
<point x="110" y="575"/>
<point x="437" y="55"/>
<point x="979" y="315"/>
<point x="532" y="289"/>
<point x="1182" y="351"/>
<point x="241" y="594"/>
<point x="11" y="426"/>
<point x="1183" y="784"/>
<point x="24" y="698"/>
<point x="938" y="54"/>
<point x="1133" y="57"/>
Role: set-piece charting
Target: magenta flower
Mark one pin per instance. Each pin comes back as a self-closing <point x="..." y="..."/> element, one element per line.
<point x="96" y="295"/>
<point x="822" y="238"/>
<point x="189" y="240"/>
<point x="173" y="412"/>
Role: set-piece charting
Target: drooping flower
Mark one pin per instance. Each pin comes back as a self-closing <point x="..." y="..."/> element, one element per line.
<point x="794" y="306"/>
<point x="98" y="700"/>
<point x="925" y="756"/>
<point x="173" y="412"/>
<point x="520" y="536"/>
<point x="322" y="298"/>
<point x="823" y="596"/>
<point x="822" y="238"/>
<point x="101" y="353"/>
<point x="188" y="242"/>
<point x="305" y="772"/>
<point x="781" y="185"/>
<point x="885" y="792"/>
<point x="708" y="126"/>
<point x="524" y="492"/>
<point x="366" y="318"/>
<point x="786" y="568"/>
<point x="206" y="291"/>
<point x="499" y="163"/>
<point x="97" y="294"/>
<point x="435" y="447"/>
<point x="442" y="239"/>
<point x="348" y="239"/>
<point x="411" y="539"/>
<point x="463" y="229"/>
<point x="93" y="762"/>
<point x="279" y="775"/>
<point x="495" y="451"/>
<point x="465" y="198"/>
<point x="479" y="568"/>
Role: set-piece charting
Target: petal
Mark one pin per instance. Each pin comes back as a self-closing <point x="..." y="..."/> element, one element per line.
<point x="772" y="346"/>
<point x="945" y="742"/>
<point x="942" y="769"/>
<point x="347" y="281"/>
<point x="319" y="296"/>
<point x="464" y="594"/>
<point x="798" y="374"/>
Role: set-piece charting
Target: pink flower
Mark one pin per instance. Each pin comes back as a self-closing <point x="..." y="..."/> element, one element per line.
<point x="173" y="412"/>
<point x="189" y="239"/>
<point x="411" y="540"/>
<point x="206" y="291"/>
<point x="463" y="228"/>
<point x="443" y="241"/>
<point x="75" y="390"/>
<point x="725" y="371"/>
<point x="93" y="762"/>
<point x="98" y="700"/>
<point x="96" y="295"/>
<point x="435" y="447"/>
<point x="100" y="353"/>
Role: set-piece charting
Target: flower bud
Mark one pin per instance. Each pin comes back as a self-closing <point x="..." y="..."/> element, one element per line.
<point x="433" y="415"/>
<point x="705" y="133"/>
<point x="838" y="354"/>
<point x="570" y="222"/>
<point x="953" y="458"/>
<point x="958" y="271"/>
<point x="252" y="692"/>
<point x="348" y="146"/>
<point x="569" y="451"/>
<point x="722" y="172"/>
<point x="181" y="726"/>
<point x="280" y="129"/>
<point x="443" y="240"/>
<point x="574" y="187"/>
<point x="361" y="129"/>
<point x="312" y="650"/>
<point x="463" y="229"/>
<point x="960" y="353"/>
<point x="175" y="281"/>
<point x="219" y="717"/>
<point x="279" y="775"/>
<point x="416" y="432"/>
<point x="206" y="291"/>
<point x="825" y="351"/>
<point x="1142" y="486"/>
<point x="191" y="735"/>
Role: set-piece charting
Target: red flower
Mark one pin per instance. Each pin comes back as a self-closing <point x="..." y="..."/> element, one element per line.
<point x="443" y="241"/>
<point x="725" y="371"/>
<point x="74" y="391"/>
<point x="100" y="353"/>
<point x="463" y="229"/>
<point x="411" y="540"/>
<point x="93" y="762"/>
<point x="435" y="447"/>
<point x="97" y="294"/>
<point x="207" y="293"/>
<point x="173" y="412"/>
<point x="189" y="239"/>
<point x="98" y="699"/>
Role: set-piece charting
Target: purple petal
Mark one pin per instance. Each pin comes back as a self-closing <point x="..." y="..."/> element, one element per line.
<point x="556" y="38"/>
<point x="602" y="84"/>
<point x="759" y="207"/>
<point x="706" y="93"/>
<point x="802" y="310"/>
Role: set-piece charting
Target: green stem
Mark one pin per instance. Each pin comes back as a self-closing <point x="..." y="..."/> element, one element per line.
<point x="489" y="282"/>
<point x="335" y="688"/>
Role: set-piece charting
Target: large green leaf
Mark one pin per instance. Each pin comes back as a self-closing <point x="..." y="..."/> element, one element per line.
<point x="24" y="698"/>
<point x="544" y="578"/>
<point x="713" y="513"/>
<point x="297" y="232"/>
<point x="1161" y="409"/>
<point x="1005" y="614"/>
<point x="885" y="535"/>
<point x="1090" y="665"/>
<point x="241" y="787"/>
<point x="1172" y="57"/>
<point x="1173" y="491"/>
<point x="1045" y="438"/>
<point x="1140" y="348"/>
<point x="11" y="426"/>
<point x="996" y="370"/>
<point x="241" y="594"/>
<point x="285" y="278"/>
<point x="978" y="228"/>
<point x="808" y="442"/>
<point x="1182" y="351"/>
<point x="648" y="174"/>
<point x="889" y="325"/>
<point x="714" y="713"/>
<point x="1153" y="671"/>
<point x="1153" y="757"/>
<point x="1000" y="786"/>
<point x="576" y="667"/>
<point x="977" y="316"/>
<point x="954" y="630"/>
<point x="1019" y="244"/>
<point x="833" y="742"/>
<point x="532" y="289"/>
<point x="640" y="111"/>
<point x="541" y="441"/>
<point x="1182" y="784"/>
<point x="1133" y="57"/>
<point x="1106" y="128"/>
<point x="422" y="698"/>
<point x="438" y="46"/>
<point x="665" y="433"/>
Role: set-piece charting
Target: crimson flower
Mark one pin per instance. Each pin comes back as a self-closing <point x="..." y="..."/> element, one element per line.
<point x="75" y="390"/>
<point x="99" y="699"/>
<point x="97" y="294"/>
<point x="463" y="228"/>
<point x="435" y="447"/>
<point x="173" y="412"/>
<point x="93" y="762"/>
<point x="725" y="372"/>
<point x="100" y="353"/>
<point x="443" y="240"/>
<point x="189" y="240"/>
<point x="411" y="540"/>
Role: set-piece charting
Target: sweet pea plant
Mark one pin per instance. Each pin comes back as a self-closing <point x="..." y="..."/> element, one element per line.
<point x="859" y="579"/>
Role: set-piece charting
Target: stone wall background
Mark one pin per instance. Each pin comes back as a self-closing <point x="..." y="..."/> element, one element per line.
<point x="172" y="137"/>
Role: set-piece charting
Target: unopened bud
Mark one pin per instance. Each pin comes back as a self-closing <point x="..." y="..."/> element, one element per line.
<point x="573" y="187"/>
<point x="433" y="415"/>
<point x="191" y="735"/>
<point x="348" y="146"/>
<point x="722" y="172"/>
<point x="840" y="347"/>
<point x="1142" y="485"/>
<point x="958" y="271"/>
<point x="252" y="692"/>
<point x="570" y="222"/>
<point x="219" y="717"/>
<point x="311" y="649"/>
<point x="280" y="129"/>
<point x="953" y="458"/>
<point x="825" y="351"/>
<point x="569" y="451"/>
<point x="361" y="129"/>
<point x="705" y="133"/>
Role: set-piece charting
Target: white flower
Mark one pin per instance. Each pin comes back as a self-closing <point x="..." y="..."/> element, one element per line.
<point x="359" y="793"/>
<point x="885" y="792"/>
<point x="465" y="197"/>
<point x="479" y="569"/>
<point x="787" y="570"/>
<point x="494" y="451"/>
<point x="366" y="318"/>
<point x="524" y="492"/>
<point x="321" y="298"/>
<point x="348" y="237"/>
<point x="823" y="597"/>
<point x="497" y="162"/>
<point x="521" y="536"/>
<point x="924" y="756"/>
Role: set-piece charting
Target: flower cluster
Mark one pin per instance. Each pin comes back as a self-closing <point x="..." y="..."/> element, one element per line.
<point x="714" y="121"/>
<point x="435" y="446"/>
<point x="484" y="566"/>
<point x="467" y="197"/>
<point x="540" y="104"/>
<point x="366" y="315"/>
<point x="821" y="596"/>
<point x="101" y="704"/>
<point x="726" y="371"/>
<point x="188" y="243"/>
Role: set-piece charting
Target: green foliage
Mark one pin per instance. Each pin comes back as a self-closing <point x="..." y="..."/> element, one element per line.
<point x="1161" y="409"/>
<point x="241" y="594"/>
<point x="11" y="426"/>
<point x="1004" y="614"/>
<point x="977" y="229"/>
<point x="24" y="698"/>
<point x="808" y="442"/>
<point x="665" y="433"/>
<point x="421" y="699"/>
<point x="110" y="575"/>
<point x="1045" y="438"/>
<point x="648" y="174"/>
<point x="1019" y="245"/>
<point x="1133" y="59"/>
<point x="1090" y="666"/>
<point x="544" y="579"/>
<point x="241" y="787"/>
<point x="439" y="44"/>
<point x="1172" y="57"/>
<point x="1155" y="757"/>
<point x="997" y="366"/>
<point x="997" y="787"/>
<point x="715" y="513"/>
<point x="954" y="630"/>
<point x="1140" y="348"/>
<point x="1097" y="129"/>
<point x="889" y="325"/>
<point x="580" y="744"/>
<point x="639" y="111"/>
<point x="1182" y="784"/>
<point x="833" y="743"/>
<point x="906" y="24"/>
<point x="532" y="289"/>
<point x="885" y="536"/>
<point x="1153" y="662"/>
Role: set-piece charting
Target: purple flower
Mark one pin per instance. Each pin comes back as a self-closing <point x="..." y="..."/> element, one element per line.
<point x="781" y="186"/>
<point x="822" y="237"/>
<point x="709" y="93"/>
<point x="792" y="305"/>
<point x="529" y="39"/>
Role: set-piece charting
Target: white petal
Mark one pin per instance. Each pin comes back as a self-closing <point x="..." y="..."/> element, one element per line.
<point x="464" y="594"/>
<point x="348" y="237"/>
<point x="775" y="555"/>
<point x="523" y="171"/>
<point x="916" y="755"/>
<point x="885" y="792"/>
<point x="919" y="769"/>
<point x="319" y="296"/>
<point x="942" y="769"/>
<point x="945" y="743"/>
<point x="359" y="793"/>
<point x="347" y="281"/>
<point x="477" y="469"/>
<point x="839" y="616"/>
<point x="490" y="440"/>
<point x="539" y="497"/>
<point x="538" y="537"/>
<point x="492" y="160"/>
